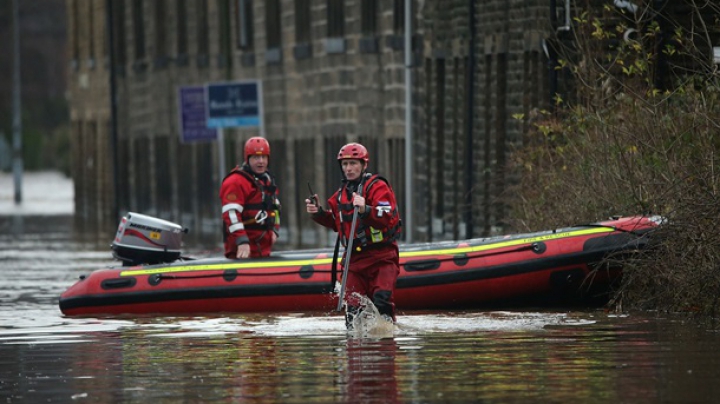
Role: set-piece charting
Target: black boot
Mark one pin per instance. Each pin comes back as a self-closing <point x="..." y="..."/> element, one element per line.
<point x="381" y="300"/>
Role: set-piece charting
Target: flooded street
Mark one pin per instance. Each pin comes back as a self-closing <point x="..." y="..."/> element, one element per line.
<point x="533" y="355"/>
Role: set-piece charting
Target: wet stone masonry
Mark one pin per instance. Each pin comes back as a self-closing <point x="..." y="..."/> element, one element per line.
<point x="317" y="95"/>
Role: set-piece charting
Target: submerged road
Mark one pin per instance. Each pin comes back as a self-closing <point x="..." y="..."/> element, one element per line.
<point x="44" y="193"/>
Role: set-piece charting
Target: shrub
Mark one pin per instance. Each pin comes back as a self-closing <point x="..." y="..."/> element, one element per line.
<point x="628" y="146"/>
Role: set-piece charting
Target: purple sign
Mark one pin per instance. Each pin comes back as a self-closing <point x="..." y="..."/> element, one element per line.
<point x="193" y="116"/>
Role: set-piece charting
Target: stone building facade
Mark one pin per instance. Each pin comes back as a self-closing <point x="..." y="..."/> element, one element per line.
<point x="332" y="72"/>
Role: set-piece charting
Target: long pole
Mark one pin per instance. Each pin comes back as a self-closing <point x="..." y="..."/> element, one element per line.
<point x="17" y="121"/>
<point x="408" y="124"/>
<point x="221" y="154"/>
<point x="348" y="253"/>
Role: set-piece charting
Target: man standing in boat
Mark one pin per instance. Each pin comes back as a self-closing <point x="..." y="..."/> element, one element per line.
<point x="374" y="260"/>
<point x="250" y="204"/>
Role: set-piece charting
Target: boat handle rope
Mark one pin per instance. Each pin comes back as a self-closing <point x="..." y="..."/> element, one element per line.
<point x="531" y="246"/>
<point x="638" y="233"/>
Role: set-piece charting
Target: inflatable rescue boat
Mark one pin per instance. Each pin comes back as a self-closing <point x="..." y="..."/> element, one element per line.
<point x="567" y="263"/>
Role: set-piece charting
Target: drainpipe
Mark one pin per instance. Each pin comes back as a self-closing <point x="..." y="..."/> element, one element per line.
<point x="17" y="121"/>
<point x="567" y="26"/>
<point x="408" y="124"/>
<point x="115" y="209"/>
<point x="469" y="122"/>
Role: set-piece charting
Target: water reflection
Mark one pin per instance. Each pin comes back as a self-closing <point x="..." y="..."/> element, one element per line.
<point x="245" y="369"/>
<point x="573" y="357"/>
<point x="370" y="371"/>
<point x="464" y="356"/>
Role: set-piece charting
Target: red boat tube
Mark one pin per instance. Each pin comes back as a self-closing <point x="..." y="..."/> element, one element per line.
<point x="502" y="270"/>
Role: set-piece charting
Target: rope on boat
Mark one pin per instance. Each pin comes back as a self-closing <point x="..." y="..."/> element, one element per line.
<point x="532" y="246"/>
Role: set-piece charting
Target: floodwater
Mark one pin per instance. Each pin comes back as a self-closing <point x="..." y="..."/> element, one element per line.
<point x="488" y="356"/>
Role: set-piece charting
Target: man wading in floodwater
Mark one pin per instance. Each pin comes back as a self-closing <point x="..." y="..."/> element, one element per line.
<point x="374" y="260"/>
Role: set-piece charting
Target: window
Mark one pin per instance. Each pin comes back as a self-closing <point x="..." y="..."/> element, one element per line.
<point x="368" y="17"/>
<point x="91" y="34"/>
<point x="182" y="35"/>
<point x="397" y="40"/>
<point x="335" y="42"/>
<point x="273" y="29"/>
<point x="119" y="32"/>
<point x="203" y="38"/>
<point x="139" y="29"/>
<point x="368" y="42"/>
<point x="224" y="36"/>
<point x="303" y="20"/>
<point x="160" y="32"/>
<point x="335" y="18"/>
<point x="273" y="32"/>
<point x="399" y="16"/>
<point x="245" y="25"/>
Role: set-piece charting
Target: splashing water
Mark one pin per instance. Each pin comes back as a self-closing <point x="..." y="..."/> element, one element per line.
<point x="369" y="323"/>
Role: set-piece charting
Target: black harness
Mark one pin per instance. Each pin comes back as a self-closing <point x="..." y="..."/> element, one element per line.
<point x="361" y="235"/>
<point x="267" y="194"/>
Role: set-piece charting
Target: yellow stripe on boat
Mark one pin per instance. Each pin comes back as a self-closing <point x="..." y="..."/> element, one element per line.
<point x="509" y="243"/>
<point x="251" y="264"/>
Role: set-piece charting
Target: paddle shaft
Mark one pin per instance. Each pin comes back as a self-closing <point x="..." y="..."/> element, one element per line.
<point x="348" y="252"/>
<point x="333" y="271"/>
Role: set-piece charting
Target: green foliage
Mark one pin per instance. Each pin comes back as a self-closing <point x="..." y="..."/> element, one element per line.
<point x="633" y="143"/>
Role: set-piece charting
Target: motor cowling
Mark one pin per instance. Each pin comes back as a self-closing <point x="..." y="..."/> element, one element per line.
<point x="142" y="239"/>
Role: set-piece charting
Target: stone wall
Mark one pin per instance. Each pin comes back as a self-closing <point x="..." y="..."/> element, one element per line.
<point x="317" y="96"/>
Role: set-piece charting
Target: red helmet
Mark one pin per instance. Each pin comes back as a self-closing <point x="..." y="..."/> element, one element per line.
<point x="354" y="151"/>
<point x="256" y="146"/>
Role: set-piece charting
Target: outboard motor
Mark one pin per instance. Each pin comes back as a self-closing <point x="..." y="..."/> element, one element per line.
<point x="142" y="239"/>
